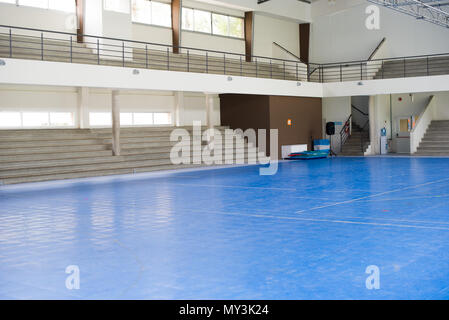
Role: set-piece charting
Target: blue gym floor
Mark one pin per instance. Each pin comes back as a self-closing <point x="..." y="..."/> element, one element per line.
<point x="308" y="232"/>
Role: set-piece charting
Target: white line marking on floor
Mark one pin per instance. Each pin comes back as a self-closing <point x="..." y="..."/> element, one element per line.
<point x="373" y="195"/>
<point x="232" y="187"/>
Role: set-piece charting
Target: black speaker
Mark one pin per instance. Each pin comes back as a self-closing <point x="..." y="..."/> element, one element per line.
<point x="330" y="128"/>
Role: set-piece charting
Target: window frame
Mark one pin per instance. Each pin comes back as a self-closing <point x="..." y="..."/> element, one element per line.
<point x="151" y="23"/>
<point x="17" y="4"/>
<point x="211" y="24"/>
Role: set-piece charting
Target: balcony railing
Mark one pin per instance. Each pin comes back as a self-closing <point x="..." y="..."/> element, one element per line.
<point x="46" y="45"/>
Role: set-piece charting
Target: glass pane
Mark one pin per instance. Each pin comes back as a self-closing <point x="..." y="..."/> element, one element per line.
<point x="162" y="118"/>
<point x="143" y="118"/>
<point x="121" y="6"/>
<point x="141" y="11"/>
<point x="220" y="25"/>
<point x="34" y="3"/>
<point x="202" y="21"/>
<point x="62" y="5"/>
<point x="236" y="27"/>
<point x="10" y="119"/>
<point x="161" y="14"/>
<point x="100" y="119"/>
<point x="61" y="119"/>
<point x="35" y="119"/>
<point x="126" y="119"/>
<point x="187" y="19"/>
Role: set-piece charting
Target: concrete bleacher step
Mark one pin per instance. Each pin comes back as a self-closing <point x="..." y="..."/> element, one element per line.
<point x="71" y="153"/>
<point x="436" y="140"/>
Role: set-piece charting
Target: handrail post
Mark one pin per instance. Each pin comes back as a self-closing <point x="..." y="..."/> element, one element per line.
<point x="188" y="61"/>
<point x="341" y="73"/>
<point x="383" y="69"/>
<point x="361" y="70"/>
<point x="98" y="51"/>
<point x="297" y="72"/>
<point x="168" y="59"/>
<point x="123" y="53"/>
<point x="146" y="56"/>
<point x="42" y="46"/>
<point x="308" y="72"/>
<point x="10" y="43"/>
<point x="271" y="69"/>
<point x="71" y="49"/>
<point x="404" y="69"/>
<point x="241" y="67"/>
<point x="284" y="71"/>
<point x="224" y="63"/>
<point x="257" y="73"/>
<point x="207" y="62"/>
<point x="427" y="62"/>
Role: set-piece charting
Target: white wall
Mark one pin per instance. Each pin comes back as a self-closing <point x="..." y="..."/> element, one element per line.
<point x="338" y="33"/>
<point x="37" y="18"/>
<point x="269" y="29"/>
<point x="336" y="110"/>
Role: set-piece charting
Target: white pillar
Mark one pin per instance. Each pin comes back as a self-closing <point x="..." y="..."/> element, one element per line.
<point x="82" y="119"/>
<point x="115" y="124"/>
<point x="210" y="100"/>
<point x="373" y="124"/>
<point x="179" y="108"/>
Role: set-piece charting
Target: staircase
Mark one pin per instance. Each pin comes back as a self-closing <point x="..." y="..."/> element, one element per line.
<point x="353" y="145"/>
<point x="53" y="154"/>
<point x="436" y="140"/>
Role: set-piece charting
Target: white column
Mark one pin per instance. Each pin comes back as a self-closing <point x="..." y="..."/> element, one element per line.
<point x="179" y="108"/>
<point x="373" y="124"/>
<point x="210" y="100"/>
<point x="82" y="119"/>
<point x="115" y="124"/>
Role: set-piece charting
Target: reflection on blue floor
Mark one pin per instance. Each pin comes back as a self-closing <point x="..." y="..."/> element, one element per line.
<point x="308" y="232"/>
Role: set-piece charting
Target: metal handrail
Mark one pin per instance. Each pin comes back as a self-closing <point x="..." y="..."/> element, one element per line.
<point x="286" y="50"/>
<point x="327" y="72"/>
<point x="345" y="132"/>
<point x="147" y="43"/>
<point x="354" y="107"/>
<point x="377" y="49"/>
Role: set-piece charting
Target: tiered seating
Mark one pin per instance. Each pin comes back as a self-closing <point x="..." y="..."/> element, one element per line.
<point x="39" y="155"/>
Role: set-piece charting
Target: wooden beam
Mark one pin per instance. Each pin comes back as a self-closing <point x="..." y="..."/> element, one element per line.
<point x="304" y="42"/>
<point x="249" y="18"/>
<point x="176" y="24"/>
<point x="80" y="21"/>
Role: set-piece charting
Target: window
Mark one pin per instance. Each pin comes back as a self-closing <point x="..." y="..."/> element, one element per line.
<point x="151" y="12"/>
<point x="121" y="6"/>
<point x="61" y="5"/>
<point x="36" y="119"/>
<point x="201" y="21"/>
<point x="8" y="1"/>
<point x="126" y="119"/>
<point x="10" y="119"/>
<point x="236" y="27"/>
<point x="162" y="118"/>
<point x="141" y="119"/>
<point x="61" y="119"/>
<point x="220" y="25"/>
<point x="213" y="23"/>
<point x="100" y="119"/>
<point x="187" y="19"/>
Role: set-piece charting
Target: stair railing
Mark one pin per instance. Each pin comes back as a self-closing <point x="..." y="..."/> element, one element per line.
<point x="345" y="132"/>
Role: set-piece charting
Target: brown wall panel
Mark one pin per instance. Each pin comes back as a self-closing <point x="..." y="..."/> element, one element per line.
<point x="304" y="42"/>
<point x="272" y="112"/>
<point x="249" y="18"/>
<point x="306" y="116"/>
<point x="176" y="24"/>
